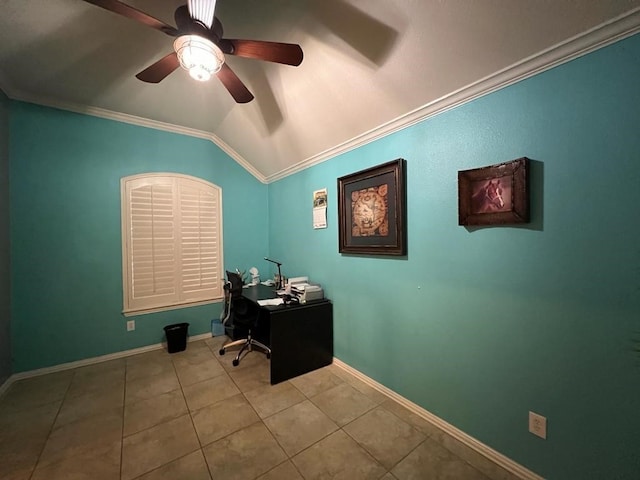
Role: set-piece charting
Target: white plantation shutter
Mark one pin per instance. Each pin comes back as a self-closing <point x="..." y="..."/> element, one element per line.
<point x="199" y="239"/>
<point x="172" y="241"/>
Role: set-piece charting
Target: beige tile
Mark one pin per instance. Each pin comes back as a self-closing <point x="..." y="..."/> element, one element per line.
<point x="161" y="439"/>
<point x="189" y="374"/>
<point x="215" y="343"/>
<point x="220" y="419"/>
<point x="274" y="398"/>
<point x="150" y="386"/>
<point x="189" y="467"/>
<point x="248" y="379"/>
<point x="316" y="382"/>
<point x="33" y="422"/>
<point x="385" y="436"/>
<point x="77" y="407"/>
<point x="35" y="391"/>
<point x="471" y="456"/>
<point x="433" y="460"/>
<point x="366" y="389"/>
<point x="156" y="446"/>
<point x="101" y="367"/>
<point x="300" y="426"/>
<point x="98" y="378"/>
<point x="244" y="455"/>
<point x="411" y="418"/>
<point x="144" y="414"/>
<point x="338" y="457"/>
<point x="100" y="464"/>
<point x="195" y="354"/>
<point x="343" y="403"/>
<point x="16" y="471"/>
<point x="17" y="460"/>
<point x="209" y="391"/>
<point x="284" y="471"/>
<point x="156" y="355"/>
<point x="22" y="436"/>
<point x="92" y="434"/>
<point x="248" y="360"/>
<point x="146" y="364"/>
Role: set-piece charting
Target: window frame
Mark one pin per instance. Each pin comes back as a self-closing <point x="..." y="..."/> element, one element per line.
<point x="179" y="299"/>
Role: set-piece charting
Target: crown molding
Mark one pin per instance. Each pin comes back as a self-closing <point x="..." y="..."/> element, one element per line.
<point x="609" y="32"/>
<point x="138" y="121"/>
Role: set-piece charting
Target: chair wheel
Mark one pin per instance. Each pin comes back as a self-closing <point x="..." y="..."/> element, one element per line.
<point x="268" y="356"/>
<point x="221" y="352"/>
<point x="235" y="362"/>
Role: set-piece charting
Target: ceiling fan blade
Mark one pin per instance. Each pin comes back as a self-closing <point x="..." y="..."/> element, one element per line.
<point x="182" y="18"/>
<point x="237" y="89"/>
<point x="134" y="14"/>
<point x="159" y="70"/>
<point x="287" y="53"/>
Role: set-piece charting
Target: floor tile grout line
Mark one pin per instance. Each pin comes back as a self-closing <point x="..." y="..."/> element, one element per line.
<point x="193" y="424"/>
<point x="124" y="406"/>
<point x="262" y="420"/>
<point x="175" y="371"/>
<point x="44" y="445"/>
<point x="429" y="436"/>
<point x="317" y="389"/>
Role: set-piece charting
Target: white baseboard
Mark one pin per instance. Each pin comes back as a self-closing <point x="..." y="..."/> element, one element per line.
<point x="89" y="361"/>
<point x="484" y="450"/>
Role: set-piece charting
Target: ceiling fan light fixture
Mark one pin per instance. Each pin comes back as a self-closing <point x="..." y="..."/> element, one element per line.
<point x="199" y="56"/>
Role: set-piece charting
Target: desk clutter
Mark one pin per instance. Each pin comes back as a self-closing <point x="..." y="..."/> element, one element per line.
<point x="303" y="291"/>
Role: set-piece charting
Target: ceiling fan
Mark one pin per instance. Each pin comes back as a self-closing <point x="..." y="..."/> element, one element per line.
<point x="200" y="48"/>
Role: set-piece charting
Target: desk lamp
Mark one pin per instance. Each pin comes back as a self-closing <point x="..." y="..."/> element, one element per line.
<point x="279" y="286"/>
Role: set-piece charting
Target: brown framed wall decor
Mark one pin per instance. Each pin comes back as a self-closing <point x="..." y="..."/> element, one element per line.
<point x="494" y="195"/>
<point x="372" y="210"/>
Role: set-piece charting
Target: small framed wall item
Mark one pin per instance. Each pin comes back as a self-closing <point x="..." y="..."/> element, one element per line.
<point x="494" y="195"/>
<point x="372" y="210"/>
<point x="320" y="208"/>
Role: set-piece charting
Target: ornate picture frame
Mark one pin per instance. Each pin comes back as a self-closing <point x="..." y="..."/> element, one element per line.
<point x="372" y="210"/>
<point x="494" y="195"/>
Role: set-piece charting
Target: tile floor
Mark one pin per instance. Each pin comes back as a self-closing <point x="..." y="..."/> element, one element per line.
<point x="191" y="415"/>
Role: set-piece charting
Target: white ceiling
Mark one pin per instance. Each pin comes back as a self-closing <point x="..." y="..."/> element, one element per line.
<point x="370" y="66"/>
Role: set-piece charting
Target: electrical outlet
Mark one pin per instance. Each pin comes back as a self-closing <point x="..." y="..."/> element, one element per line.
<point x="538" y="425"/>
<point x="131" y="325"/>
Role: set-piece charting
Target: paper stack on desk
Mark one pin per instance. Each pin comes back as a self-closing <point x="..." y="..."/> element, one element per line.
<point x="271" y="301"/>
<point x="299" y="288"/>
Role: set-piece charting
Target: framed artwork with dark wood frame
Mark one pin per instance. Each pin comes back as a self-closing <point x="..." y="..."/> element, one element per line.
<point x="372" y="210"/>
<point x="494" y="195"/>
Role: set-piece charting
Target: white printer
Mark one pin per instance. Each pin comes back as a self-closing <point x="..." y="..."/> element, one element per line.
<point x="305" y="291"/>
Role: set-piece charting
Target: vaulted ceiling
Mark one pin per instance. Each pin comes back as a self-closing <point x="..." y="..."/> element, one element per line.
<point x="370" y="66"/>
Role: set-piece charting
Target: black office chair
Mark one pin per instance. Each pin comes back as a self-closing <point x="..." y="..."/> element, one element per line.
<point x="244" y="314"/>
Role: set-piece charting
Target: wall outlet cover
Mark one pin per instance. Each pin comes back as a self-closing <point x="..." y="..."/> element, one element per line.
<point x="538" y="425"/>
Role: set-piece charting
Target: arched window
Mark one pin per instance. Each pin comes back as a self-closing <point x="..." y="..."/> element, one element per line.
<point x="171" y="242"/>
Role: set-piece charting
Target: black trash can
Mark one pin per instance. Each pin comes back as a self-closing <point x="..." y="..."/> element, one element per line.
<point x="176" y="337"/>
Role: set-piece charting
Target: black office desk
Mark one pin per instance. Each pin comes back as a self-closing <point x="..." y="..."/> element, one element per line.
<point x="300" y="336"/>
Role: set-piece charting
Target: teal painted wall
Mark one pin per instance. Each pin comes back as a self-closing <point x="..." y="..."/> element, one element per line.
<point x="66" y="238"/>
<point x="5" y="291"/>
<point x="479" y="326"/>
